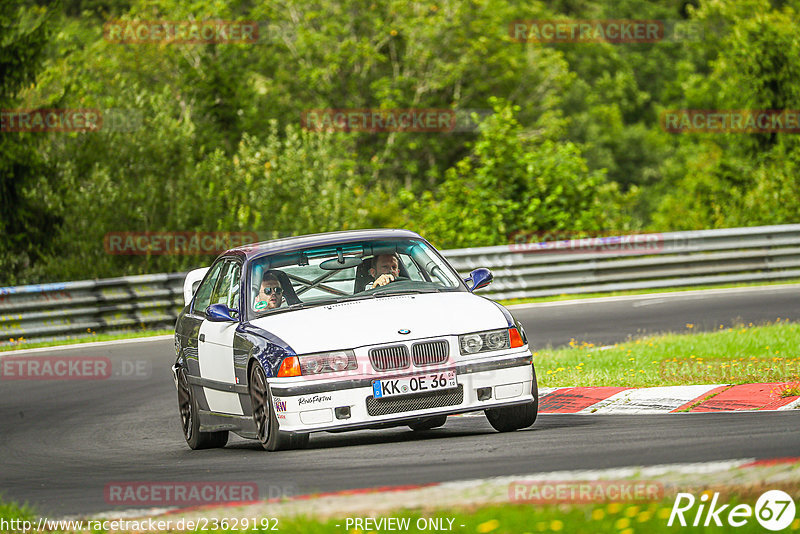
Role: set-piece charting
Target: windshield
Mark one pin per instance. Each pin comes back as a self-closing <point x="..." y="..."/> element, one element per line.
<point x="337" y="272"/>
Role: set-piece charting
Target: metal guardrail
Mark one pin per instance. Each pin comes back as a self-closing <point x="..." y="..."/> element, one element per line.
<point x="521" y="270"/>
<point x="645" y="261"/>
<point x="78" y="309"/>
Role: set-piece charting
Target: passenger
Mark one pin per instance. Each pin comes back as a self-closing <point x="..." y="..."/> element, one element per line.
<point x="385" y="269"/>
<point x="270" y="295"/>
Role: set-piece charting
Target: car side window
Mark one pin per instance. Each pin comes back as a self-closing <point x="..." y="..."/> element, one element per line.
<point x="202" y="299"/>
<point x="233" y="290"/>
<point x="227" y="290"/>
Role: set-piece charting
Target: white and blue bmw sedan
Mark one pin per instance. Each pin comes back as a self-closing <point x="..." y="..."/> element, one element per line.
<point x="343" y="331"/>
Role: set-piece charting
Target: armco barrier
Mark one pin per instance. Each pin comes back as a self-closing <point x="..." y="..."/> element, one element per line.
<point x="521" y="270"/>
<point x="671" y="259"/>
<point x="76" y="309"/>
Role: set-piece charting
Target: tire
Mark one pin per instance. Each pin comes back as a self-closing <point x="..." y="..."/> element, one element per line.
<point x="270" y="435"/>
<point x="187" y="407"/>
<point x="428" y="423"/>
<point x="516" y="417"/>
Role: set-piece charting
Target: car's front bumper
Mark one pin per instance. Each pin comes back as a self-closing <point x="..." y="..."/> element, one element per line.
<point x="312" y="406"/>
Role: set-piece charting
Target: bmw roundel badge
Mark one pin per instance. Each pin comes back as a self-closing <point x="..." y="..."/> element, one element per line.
<point x="404" y="331"/>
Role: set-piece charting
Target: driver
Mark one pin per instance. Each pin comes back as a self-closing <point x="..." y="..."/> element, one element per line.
<point x="385" y="268"/>
<point x="270" y="295"/>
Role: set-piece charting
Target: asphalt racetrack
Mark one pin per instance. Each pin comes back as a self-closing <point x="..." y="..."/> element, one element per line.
<point x="63" y="441"/>
<point x="613" y="319"/>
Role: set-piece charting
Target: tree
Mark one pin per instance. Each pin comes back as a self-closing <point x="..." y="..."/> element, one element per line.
<point x="511" y="184"/>
<point x="740" y="179"/>
<point x="26" y="224"/>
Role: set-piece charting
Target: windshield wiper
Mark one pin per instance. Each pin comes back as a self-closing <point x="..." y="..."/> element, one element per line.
<point x="326" y="302"/>
<point x="389" y="292"/>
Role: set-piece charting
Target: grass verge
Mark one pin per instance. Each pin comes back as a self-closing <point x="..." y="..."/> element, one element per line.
<point x="605" y="517"/>
<point x="11" y="510"/>
<point x="744" y="354"/>
<point x="21" y="344"/>
<point x="614" y="517"/>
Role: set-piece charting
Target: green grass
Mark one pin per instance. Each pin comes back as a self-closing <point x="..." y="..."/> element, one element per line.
<point x="792" y="390"/>
<point x="745" y="354"/>
<point x="616" y="518"/>
<point x="556" y="298"/>
<point x="605" y="517"/>
<point x="10" y="511"/>
<point x="20" y="343"/>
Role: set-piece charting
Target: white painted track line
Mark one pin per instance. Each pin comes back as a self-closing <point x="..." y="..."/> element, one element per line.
<point x="648" y="400"/>
<point x="92" y="344"/>
<point x="698" y="293"/>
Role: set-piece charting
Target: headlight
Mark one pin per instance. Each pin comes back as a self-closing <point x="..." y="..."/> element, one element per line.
<point x="497" y="340"/>
<point x="339" y="361"/>
<point x="471" y="343"/>
<point x="327" y="362"/>
<point x="492" y="340"/>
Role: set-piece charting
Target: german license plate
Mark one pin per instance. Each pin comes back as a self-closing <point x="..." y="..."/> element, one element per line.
<point x="408" y="385"/>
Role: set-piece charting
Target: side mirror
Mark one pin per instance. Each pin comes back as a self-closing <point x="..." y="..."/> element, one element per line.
<point x="219" y="313"/>
<point x="480" y="277"/>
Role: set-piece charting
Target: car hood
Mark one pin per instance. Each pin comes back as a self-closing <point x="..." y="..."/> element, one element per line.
<point x="375" y="321"/>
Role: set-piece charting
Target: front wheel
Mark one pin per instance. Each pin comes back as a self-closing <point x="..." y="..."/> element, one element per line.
<point x="516" y="417"/>
<point x="187" y="406"/>
<point x="270" y="435"/>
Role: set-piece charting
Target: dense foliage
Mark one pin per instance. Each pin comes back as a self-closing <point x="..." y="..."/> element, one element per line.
<point x="210" y="135"/>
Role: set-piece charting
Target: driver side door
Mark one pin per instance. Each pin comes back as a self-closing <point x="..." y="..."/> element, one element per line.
<point x="215" y="344"/>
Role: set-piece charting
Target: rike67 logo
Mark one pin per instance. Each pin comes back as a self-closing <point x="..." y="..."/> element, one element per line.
<point x="774" y="510"/>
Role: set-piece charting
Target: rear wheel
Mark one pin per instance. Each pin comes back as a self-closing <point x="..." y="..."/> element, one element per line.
<point x="270" y="435"/>
<point x="516" y="417"/>
<point x="428" y="423"/>
<point x="187" y="406"/>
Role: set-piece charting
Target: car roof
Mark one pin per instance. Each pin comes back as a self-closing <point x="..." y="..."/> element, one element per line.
<point x="288" y="244"/>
